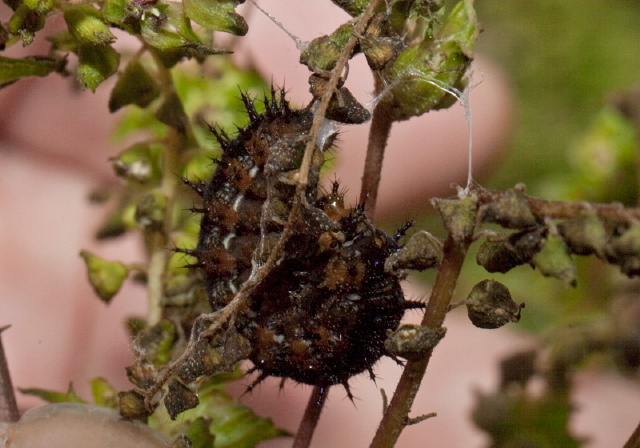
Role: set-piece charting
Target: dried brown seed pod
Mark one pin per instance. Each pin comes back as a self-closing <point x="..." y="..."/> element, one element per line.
<point x="490" y="305"/>
<point x="511" y="210"/>
<point x="179" y="398"/>
<point x="413" y="342"/>
<point x="132" y="405"/>
<point x="501" y="252"/>
<point x="422" y="251"/>
<point x="584" y="234"/>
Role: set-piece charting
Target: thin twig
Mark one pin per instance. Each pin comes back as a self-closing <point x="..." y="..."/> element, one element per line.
<point x="395" y="418"/>
<point x="634" y="440"/>
<point x="8" y="406"/>
<point x="311" y="417"/>
<point x="378" y="136"/>
<point x="543" y="208"/>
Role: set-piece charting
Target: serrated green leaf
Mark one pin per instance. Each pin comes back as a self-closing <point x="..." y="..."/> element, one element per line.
<point x="217" y="15"/>
<point x="52" y="396"/>
<point x="97" y="63"/>
<point x="106" y="277"/>
<point x="103" y="393"/>
<point x="232" y="424"/>
<point x="134" y="86"/>
<point x="14" y="69"/>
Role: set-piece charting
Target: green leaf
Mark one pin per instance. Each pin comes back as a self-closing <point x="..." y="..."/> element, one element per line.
<point x="217" y="15"/>
<point x="13" y="69"/>
<point x="141" y="163"/>
<point x="166" y="26"/>
<point x="199" y="433"/>
<point x="554" y="260"/>
<point x="63" y="41"/>
<point x="232" y="424"/>
<point x="97" y="63"/>
<point x="86" y="24"/>
<point x="52" y="396"/>
<point x="106" y="277"/>
<point x="172" y="113"/>
<point x="423" y="74"/>
<point x="103" y="393"/>
<point x="134" y="86"/>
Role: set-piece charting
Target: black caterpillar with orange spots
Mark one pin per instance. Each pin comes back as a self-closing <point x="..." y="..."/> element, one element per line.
<point x="323" y="312"/>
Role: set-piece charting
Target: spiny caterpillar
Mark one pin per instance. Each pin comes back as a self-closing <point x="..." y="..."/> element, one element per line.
<point x="324" y="311"/>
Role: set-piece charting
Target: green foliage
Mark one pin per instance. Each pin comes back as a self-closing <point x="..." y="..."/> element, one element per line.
<point x="51" y="396"/>
<point x="106" y="277"/>
<point x="422" y="53"/>
<point x="231" y="424"/>
<point x="13" y="69"/>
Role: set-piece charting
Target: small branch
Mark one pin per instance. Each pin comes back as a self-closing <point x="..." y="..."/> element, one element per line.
<point x="311" y="417"/>
<point x="396" y="416"/>
<point x="156" y="241"/>
<point x="634" y="440"/>
<point x="336" y="74"/>
<point x="542" y="208"/>
<point x="8" y="406"/>
<point x="378" y="136"/>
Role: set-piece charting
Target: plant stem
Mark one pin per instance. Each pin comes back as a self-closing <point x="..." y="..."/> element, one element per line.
<point x="311" y="417"/>
<point x="8" y="407"/>
<point x="543" y="208"/>
<point x="378" y="136"/>
<point x="634" y="440"/>
<point x="396" y="415"/>
<point x="157" y="240"/>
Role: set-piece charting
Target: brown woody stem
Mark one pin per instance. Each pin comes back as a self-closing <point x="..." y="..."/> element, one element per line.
<point x="8" y="407"/>
<point x="378" y="136"/>
<point x="396" y="416"/>
<point x="311" y="417"/>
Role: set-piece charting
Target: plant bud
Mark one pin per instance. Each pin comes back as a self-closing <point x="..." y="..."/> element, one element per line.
<point x="86" y="24"/>
<point x="150" y="211"/>
<point x="106" y="277"/>
<point x="379" y="51"/>
<point x="502" y="252"/>
<point x="204" y="361"/>
<point x="321" y="54"/>
<point x="132" y="405"/>
<point x="142" y="374"/>
<point x="490" y="305"/>
<point x="422" y="251"/>
<point x="156" y="342"/>
<point x="511" y="210"/>
<point x="554" y="260"/>
<point x="179" y="398"/>
<point x="413" y="342"/>
<point x="343" y="107"/>
<point x="458" y="216"/>
<point x="584" y="234"/>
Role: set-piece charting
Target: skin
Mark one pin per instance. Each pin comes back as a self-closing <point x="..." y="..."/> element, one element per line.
<point x="54" y="150"/>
